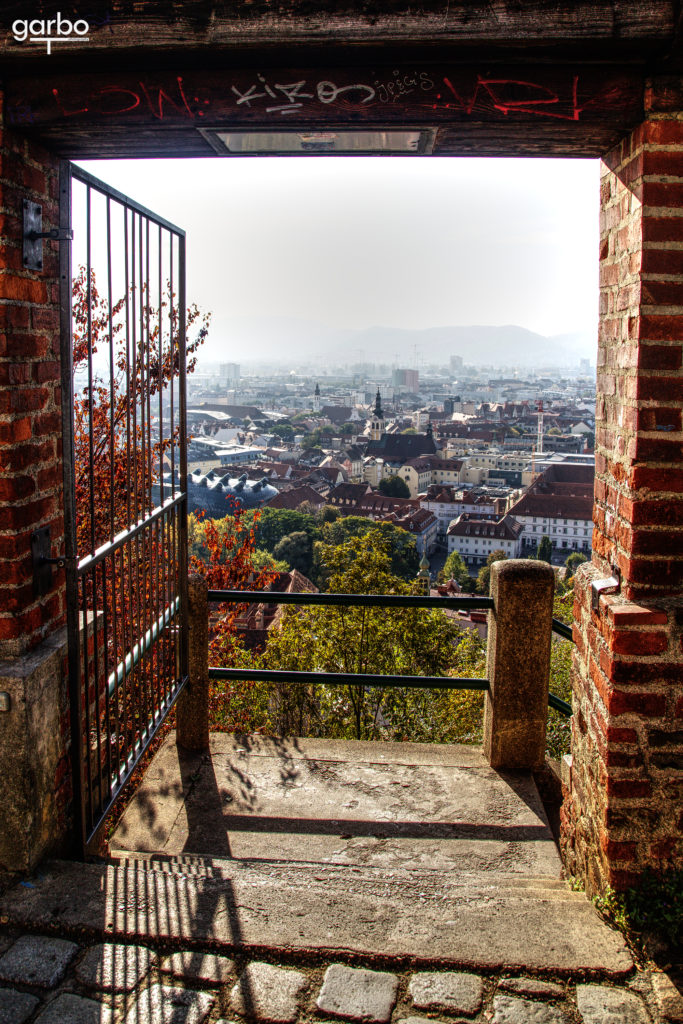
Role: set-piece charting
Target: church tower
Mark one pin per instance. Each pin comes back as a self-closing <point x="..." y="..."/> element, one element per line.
<point x="377" y="422"/>
<point x="316" y="398"/>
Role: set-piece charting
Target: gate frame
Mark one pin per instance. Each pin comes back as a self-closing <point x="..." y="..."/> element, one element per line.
<point x="86" y="840"/>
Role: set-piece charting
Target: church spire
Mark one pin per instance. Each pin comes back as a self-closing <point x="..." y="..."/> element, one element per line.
<point x="378" y="406"/>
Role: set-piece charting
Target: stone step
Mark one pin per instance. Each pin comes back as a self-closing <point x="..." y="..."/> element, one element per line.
<point x="484" y="923"/>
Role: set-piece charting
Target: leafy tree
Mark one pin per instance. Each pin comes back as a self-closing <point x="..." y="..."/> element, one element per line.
<point x="272" y="524"/>
<point x="283" y="430"/>
<point x="573" y="561"/>
<point x="365" y="640"/>
<point x="394" y="487"/>
<point x="405" y="560"/>
<point x="554" y="431"/>
<point x="544" y="551"/>
<point x="455" y="568"/>
<point x="328" y="514"/>
<point x="296" y="549"/>
<point x="484" y="576"/>
<point x="409" y="430"/>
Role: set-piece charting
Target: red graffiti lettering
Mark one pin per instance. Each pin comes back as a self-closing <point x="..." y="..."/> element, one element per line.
<point x="134" y="100"/>
<point x="63" y="109"/>
<point x="157" y="110"/>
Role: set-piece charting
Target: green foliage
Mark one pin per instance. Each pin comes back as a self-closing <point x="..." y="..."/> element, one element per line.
<point x="544" y="551"/>
<point x="263" y="560"/>
<point x="654" y="907"/>
<point x="273" y="524"/>
<point x="573" y="561"/>
<point x="558" y="734"/>
<point x="484" y="576"/>
<point x="409" y="430"/>
<point x="404" y="641"/>
<point x="402" y="547"/>
<point x="284" y="430"/>
<point x="394" y="487"/>
<point x="296" y="549"/>
<point x="455" y="569"/>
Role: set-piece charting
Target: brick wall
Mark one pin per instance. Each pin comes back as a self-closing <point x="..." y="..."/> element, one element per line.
<point x="30" y="418"/>
<point x="624" y="806"/>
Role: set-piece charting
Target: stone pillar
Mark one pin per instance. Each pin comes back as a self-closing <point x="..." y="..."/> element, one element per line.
<point x="34" y="732"/>
<point x="192" y="715"/>
<point x="518" y="663"/>
<point x="623" y="807"/>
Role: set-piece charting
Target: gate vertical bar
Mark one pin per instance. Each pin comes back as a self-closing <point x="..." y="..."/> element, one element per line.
<point x="72" y="597"/>
<point x="182" y="415"/>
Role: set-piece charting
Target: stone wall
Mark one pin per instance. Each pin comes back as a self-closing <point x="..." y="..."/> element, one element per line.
<point x="624" y="807"/>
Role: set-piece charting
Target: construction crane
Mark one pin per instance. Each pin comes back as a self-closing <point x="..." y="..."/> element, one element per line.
<point x="539" y="438"/>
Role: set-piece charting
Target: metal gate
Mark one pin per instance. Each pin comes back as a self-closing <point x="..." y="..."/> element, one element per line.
<point x="123" y="404"/>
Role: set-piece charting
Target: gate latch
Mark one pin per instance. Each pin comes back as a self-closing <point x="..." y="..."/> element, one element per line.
<point x="609" y="585"/>
<point x="42" y="563"/>
<point x="34" y="235"/>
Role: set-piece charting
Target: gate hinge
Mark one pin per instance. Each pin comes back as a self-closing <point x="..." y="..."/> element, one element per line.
<point x="34" y="235"/>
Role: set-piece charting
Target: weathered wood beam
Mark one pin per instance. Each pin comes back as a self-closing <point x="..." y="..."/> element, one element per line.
<point x="83" y="115"/>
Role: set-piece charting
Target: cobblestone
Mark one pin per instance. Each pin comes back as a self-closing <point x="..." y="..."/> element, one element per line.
<point x="71" y="1009"/>
<point x="160" y="1004"/>
<point x="533" y="987"/>
<point x="37" y="960"/>
<point x="16" y="1007"/>
<point x="356" y="994"/>
<point x="513" y="1010"/>
<point x="669" y="999"/>
<point x="599" y="1004"/>
<point x="199" y="967"/>
<point x="114" y="968"/>
<point x="268" y="993"/>
<point x="451" y="990"/>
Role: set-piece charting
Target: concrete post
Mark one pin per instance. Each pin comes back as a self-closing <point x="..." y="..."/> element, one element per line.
<point x="518" y="663"/>
<point x="192" y="716"/>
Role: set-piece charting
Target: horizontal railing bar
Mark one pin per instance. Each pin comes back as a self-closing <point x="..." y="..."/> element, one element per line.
<point x="90" y="561"/>
<point x="342" y="678"/>
<point x="126" y="666"/>
<point x="348" y="600"/>
<point x="562" y="629"/>
<point x="560" y="705"/>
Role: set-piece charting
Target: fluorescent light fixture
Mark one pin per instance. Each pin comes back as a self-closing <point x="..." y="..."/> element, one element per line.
<point x="340" y="142"/>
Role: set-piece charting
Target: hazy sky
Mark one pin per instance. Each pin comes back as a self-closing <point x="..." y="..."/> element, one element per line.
<point x="400" y="242"/>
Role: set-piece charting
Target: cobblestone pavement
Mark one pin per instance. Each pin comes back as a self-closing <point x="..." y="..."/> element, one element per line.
<point x="62" y="981"/>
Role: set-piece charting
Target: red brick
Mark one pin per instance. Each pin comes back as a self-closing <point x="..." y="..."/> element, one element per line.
<point x="629" y="788"/>
<point x="662" y="261"/>
<point x="616" y="735"/>
<point x="13" y="431"/>
<point x="22" y="288"/>
<point x="661" y="326"/>
<point x="656" y="478"/>
<point x="636" y="615"/>
<point x="638" y="642"/>
<point x="659" y="449"/>
<point x="649" y="705"/>
<point x="15" y="488"/>
<point x="660" y="357"/>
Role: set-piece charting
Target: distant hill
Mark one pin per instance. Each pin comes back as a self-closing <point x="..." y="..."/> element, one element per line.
<point x="287" y="339"/>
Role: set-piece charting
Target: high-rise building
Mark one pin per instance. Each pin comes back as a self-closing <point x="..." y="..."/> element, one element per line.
<point x="409" y="379"/>
<point x="457" y="364"/>
<point x="229" y="374"/>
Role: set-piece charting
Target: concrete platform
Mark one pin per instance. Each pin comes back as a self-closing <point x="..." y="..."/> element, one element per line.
<point x="423" y="808"/>
<point x="306" y="851"/>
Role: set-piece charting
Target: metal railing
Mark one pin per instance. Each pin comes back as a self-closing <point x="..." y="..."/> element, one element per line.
<point x="554" y="701"/>
<point x="366" y="679"/>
